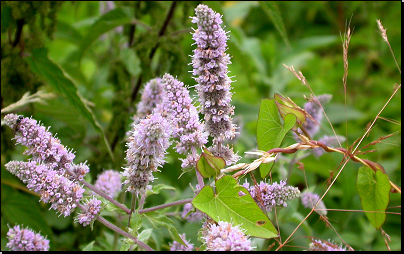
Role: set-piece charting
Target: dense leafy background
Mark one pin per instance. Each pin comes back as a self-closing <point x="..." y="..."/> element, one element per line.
<point x="92" y="49"/>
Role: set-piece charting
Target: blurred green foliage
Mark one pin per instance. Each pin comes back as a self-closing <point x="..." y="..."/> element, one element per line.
<point x="109" y="56"/>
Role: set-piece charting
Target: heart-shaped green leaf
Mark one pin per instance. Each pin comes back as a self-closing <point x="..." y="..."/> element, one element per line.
<point x="270" y="132"/>
<point x="209" y="165"/>
<point x="374" y="189"/>
<point x="287" y="106"/>
<point x="233" y="203"/>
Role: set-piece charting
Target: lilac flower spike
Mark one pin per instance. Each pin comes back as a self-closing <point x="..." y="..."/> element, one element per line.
<point x="152" y="95"/>
<point x="226" y="237"/>
<point x="93" y="209"/>
<point x="272" y="195"/>
<point x="210" y="68"/>
<point x="183" y="114"/>
<point x="176" y="246"/>
<point x="330" y="141"/>
<point x="63" y="193"/>
<point x="41" y="144"/>
<point x="109" y="182"/>
<point x="319" y="245"/>
<point x="314" y="109"/>
<point x="309" y="199"/>
<point x="26" y="240"/>
<point x="192" y="217"/>
<point x="146" y="150"/>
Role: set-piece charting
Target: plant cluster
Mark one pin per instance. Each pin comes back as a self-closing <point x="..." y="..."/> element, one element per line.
<point x="168" y="120"/>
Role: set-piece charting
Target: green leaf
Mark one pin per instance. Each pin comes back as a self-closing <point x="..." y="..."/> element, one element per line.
<point x="272" y="11"/>
<point x="227" y="205"/>
<point x="145" y="235"/>
<point x="6" y="17"/>
<point x="268" y="126"/>
<point x="131" y="61"/>
<point x="20" y="209"/>
<point x="160" y="220"/>
<point x="108" y="21"/>
<point x="89" y="247"/>
<point x="157" y="188"/>
<point x="288" y="123"/>
<point x="287" y="106"/>
<point x="270" y="132"/>
<point x="374" y="189"/>
<point x="53" y="74"/>
<point x="209" y="165"/>
<point x="175" y="235"/>
<point x="67" y="32"/>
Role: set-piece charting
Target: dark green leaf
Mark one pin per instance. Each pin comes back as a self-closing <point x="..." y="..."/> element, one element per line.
<point x="66" y="31"/>
<point x="20" y="209"/>
<point x="272" y="11"/>
<point x="6" y="18"/>
<point x="227" y="205"/>
<point x="53" y="74"/>
<point x="89" y="247"/>
<point x="106" y="22"/>
<point x="160" y="220"/>
<point x="157" y="188"/>
<point x="374" y="188"/>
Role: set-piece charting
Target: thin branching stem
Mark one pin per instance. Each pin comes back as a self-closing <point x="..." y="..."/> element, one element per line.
<point x="179" y="202"/>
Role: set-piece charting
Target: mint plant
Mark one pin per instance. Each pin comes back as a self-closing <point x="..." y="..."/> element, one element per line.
<point x="196" y="128"/>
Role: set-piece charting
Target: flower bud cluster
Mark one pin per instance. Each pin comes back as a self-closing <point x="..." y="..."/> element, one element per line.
<point x="184" y="116"/>
<point x="92" y="210"/>
<point x="41" y="144"/>
<point x="223" y="236"/>
<point x="176" y="246"/>
<point x="273" y="195"/>
<point x="146" y="150"/>
<point x="109" y="182"/>
<point x="62" y="193"/>
<point x="319" y="245"/>
<point x="79" y="171"/>
<point x="210" y="68"/>
<point x="26" y="240"/>
<point x="309" y="199"/>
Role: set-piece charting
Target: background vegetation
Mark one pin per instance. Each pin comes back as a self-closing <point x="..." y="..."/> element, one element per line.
<point x="110" y="57"/>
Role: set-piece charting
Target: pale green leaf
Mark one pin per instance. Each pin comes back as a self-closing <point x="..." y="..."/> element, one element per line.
<point x="226" y="204"/>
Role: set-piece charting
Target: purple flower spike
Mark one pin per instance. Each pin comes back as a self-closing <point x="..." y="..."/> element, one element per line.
<point x="320" y="245"/>
<point x="184" y="116"/>
<point x="93" y="208"/>
<point x="152" y="95"/>
<point x="272" y="195"/>
<point x="176" y="246"/>
<point x="309" y="199"/>
<point x="192" y="217"/>
<point x="330" y="141"/>
<point x="79" y="171"/>
<point x="109" y="182"/>
<point x="62" y="193"/>
<point x="314" y="109"/>
<point x="210" y="68"/>
<point x="41" y="144"/>
<point x="26" y="240"/>
<point x="146" y="150"/>
<point x="226" y="237"/>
